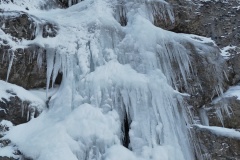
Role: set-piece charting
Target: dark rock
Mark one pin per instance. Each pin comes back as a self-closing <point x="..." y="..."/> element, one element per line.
<point x="7" y="158"/>
<point x="68" y="3"/>
<point x="229" y="110"/>
<point x="216" y="19"/>
<point x="24" y="26"/>
<point x="49" y="30"/>
<point x="234" y="66"/>
<point x="18" y="24"/>
<point x="28" y="67"/>
<point x="217" y="147"/>
<point x="17" y="111"/>
<point x="207" y="79"/>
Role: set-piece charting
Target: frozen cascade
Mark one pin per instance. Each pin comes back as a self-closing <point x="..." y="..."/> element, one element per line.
<point x="111" y="73"/>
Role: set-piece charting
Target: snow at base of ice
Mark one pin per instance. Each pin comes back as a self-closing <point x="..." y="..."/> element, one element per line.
<point x="75" y="136"/>
<point x="41" y="93"/>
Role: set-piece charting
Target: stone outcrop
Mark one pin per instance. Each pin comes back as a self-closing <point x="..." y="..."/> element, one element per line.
<point x="18" y="24"/>
<point x="234" y="66"/>
<point x="203" y="85"/>
<point x="24" y="66"/>
<point x="217" y="147"/>
<point x="219" y="20"/>
<point x="18" y="111"/>
<point x="225" y="112"/>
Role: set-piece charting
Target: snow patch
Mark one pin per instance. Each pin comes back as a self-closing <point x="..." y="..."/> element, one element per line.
<point x="225" y="51"/>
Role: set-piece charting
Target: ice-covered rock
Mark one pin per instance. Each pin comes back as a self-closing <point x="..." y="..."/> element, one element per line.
<point x="17" y="104"/>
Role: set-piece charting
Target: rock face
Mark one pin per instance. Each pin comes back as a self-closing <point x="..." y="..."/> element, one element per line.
<point x="16" y="110"/>
<point x="234" y="66"/>
<point x="216" y="19"/>
<point x="18" y="25"/>
<point x="24" y="66"/>
<point x="217" y="147"/>
<point x="202" y="84"/>
<point x="225" y="112"/>
<point x="17" y="106"/>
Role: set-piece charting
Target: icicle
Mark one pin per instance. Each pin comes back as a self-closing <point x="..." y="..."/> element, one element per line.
<point x="69" y="3"/>
<point x="40" y="58"/>
<point x="219" y="115"/>
<point x="3" y="57"/>
<point x="225" y="74"/>
<point x="32" y="112"/>
<point x="10" y="64"/>
<point x="204" y="116"/>
<point x="56" y="68"/>
<point x="50" y="63"/>
<point x="228" y="110"/>
<point x="22" y="108"/>
<point x="28" y="114"/>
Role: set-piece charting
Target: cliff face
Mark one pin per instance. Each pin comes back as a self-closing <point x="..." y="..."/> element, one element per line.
<point x="174" y="62"/>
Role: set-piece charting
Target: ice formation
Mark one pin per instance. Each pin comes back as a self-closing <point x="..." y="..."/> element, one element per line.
<point x="118" y="95"/>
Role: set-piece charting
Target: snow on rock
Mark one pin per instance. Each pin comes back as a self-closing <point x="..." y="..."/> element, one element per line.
<point x="17" y="104"/>
<point x="30" y="4"/>
<point x="233" y="91"/>
<point x="6" y="125"/>
<point x="221" y="131"/>
<point x="225" y="51"/>
<point x="8" y="152"/>
<point x="8" y="90"/>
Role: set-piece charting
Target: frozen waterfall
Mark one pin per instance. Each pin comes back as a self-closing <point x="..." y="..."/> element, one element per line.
<point x="119" y="95"/>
